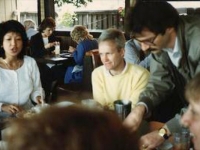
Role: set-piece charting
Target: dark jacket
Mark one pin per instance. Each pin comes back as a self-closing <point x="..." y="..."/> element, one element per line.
<point x="164" y="94"/>
<point x="37" y="46"/>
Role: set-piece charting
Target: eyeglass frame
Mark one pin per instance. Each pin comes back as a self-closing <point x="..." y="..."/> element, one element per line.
<point x="148" y="42"/>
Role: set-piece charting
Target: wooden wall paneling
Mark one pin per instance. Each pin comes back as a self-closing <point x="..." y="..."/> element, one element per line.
<point x="85" y="20"/>
<point x="110" y="20"/>
<point x="2" y="10"/>
<point x="90" y="21"/>
<point x="105" y="21"/>
<point x="7" y="10"/>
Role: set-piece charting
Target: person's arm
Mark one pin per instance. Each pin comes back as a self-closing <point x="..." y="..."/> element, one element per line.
<point x="79" y="54"/>
<point x="146" y="62"/>
<point x="52" y="42"/>
<point x="154" y="139"/>
<point x="37" y="46"/>
<point x="131" y="53"/>
<point x="36" y="82"/>
<point x="159" y="86"/>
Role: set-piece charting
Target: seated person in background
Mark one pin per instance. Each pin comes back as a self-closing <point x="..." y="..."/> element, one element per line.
<point x="135" y="55"/>
<point x="191" y="118"/>
<point x="43" y="43"/>
<point x="85" y="42"/>
<point x="30" y="27"/>
<point x="19" y="74"/>
<point x="72" y="128"/>
<point x="116" y="79"/>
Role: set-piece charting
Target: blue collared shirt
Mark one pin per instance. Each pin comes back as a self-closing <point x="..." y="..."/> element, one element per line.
<point x="175" y="54"/>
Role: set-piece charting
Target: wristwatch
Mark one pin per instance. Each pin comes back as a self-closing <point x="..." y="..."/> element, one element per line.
<point x="163" y="132"/>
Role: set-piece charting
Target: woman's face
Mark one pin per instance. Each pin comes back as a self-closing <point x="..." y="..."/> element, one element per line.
<point x="48" y="31"/>
<point x="191" y="118"/>
<point x="12" y="43"/>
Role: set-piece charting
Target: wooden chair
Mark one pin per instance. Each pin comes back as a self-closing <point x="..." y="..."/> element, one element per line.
<point x="96" y="60"/>
<point x="91" y="61"/>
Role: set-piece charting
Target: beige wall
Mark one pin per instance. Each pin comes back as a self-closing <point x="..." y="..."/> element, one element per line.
<point x="7" y="8"/>
<point x="42" y="9"/>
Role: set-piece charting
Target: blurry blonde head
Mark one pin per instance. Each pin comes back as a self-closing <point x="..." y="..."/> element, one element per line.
<point x="29" y="23"/>
<point x="70" y="128"/>
<point x="192" y="89"/>
<point x="80" y="33"/>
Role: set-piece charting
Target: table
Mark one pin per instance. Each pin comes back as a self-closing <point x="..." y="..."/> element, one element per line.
<point x="57" y="60"/>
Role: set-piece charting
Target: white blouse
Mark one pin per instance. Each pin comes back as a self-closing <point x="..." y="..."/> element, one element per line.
<point x="21" y="85"/>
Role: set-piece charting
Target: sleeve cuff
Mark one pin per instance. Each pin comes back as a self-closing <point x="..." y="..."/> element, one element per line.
<point x="147" y="113"/>
<point x="1" y="106"/>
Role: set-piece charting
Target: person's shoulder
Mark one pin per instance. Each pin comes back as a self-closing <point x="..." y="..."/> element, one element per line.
<point x="29" y="59"/>
<point x="88" y="41"/>
<point x="36" y="36"/>
<point x="99" y="70"/>
<point x="190" y="22"/>
<point x="137" y="68"/>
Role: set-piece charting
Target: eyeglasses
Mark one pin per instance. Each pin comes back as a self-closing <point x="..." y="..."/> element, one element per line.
<point x="148" y="42"/>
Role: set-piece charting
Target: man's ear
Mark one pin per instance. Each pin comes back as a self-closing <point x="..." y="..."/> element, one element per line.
<point x="122" y="51"/>
<point x="169" y="30"/>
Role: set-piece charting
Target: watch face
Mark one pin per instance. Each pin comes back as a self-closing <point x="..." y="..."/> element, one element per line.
<point x="162" y="132"/>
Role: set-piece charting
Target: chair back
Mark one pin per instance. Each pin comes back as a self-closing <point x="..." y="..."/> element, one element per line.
<point x="96" y="60"/>
<point x="87" y="71"/>
<point x="91" y="61"/>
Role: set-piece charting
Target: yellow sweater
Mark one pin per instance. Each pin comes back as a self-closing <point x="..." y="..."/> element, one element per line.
<point x="126" y="86"/>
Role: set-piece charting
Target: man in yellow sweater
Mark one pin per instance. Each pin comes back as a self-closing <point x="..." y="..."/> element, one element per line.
<point x="116" y="79"/>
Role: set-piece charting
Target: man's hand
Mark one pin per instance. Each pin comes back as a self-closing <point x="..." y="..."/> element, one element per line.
<point x="134" y="119"/>
<point x="71" y="49"/>
<point x="151" y="140"/>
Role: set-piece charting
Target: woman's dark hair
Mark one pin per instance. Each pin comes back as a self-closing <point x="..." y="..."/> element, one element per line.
<point x="155" y="16"/>
<point x="48" y="22"/>
<point x="16" y="27"/>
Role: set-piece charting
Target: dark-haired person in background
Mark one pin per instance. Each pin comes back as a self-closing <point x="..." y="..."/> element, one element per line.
<point x="42" y="44"/>
<point x="174" y="43"/>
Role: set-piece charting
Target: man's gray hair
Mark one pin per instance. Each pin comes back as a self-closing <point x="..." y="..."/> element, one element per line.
<point x="115" y="35"/>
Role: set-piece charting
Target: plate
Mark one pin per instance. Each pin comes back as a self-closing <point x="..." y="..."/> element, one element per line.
<point x="25" y="114"/>
<point x="64" y="104"/>
<point x="34" y="110"/>
<point x="66" y="55"/>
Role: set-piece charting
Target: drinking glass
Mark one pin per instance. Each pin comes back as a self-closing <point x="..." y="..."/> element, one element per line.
<point x="122" y="108"/>
<point x="57" y="50"/>
<point x="182" y="140"/>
